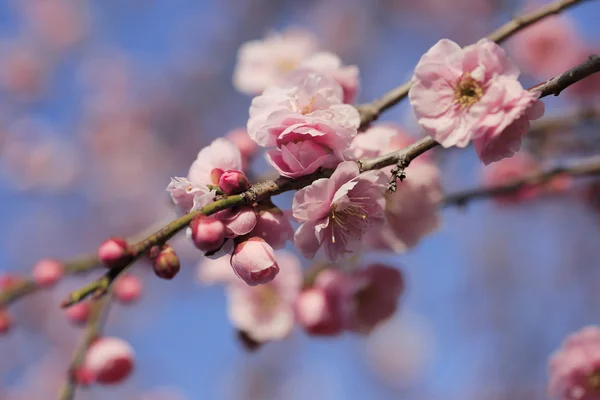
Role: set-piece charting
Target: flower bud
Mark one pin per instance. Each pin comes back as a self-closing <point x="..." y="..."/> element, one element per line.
<point x="109" y="360"/>
<point x="207" y="233"/>
<point x="274" y="227"/>
<point x="233" y="182"/>
<point x="83" y="376"/>
<point x="254" y="261"/>
<point x="319" y="313"/>
<point x="128" y="289"/>
<point x="47" y="272"/>
<point x="8" y="281"/>
<point x="114" y="253"/>
<point x="5" y="322"/>
<point x="166" y="264"/>
<point x="78" y="313"/>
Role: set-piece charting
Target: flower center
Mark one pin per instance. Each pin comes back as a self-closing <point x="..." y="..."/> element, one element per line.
<point x="286" y="65"/>
<point x="345" y="219"/>
<point x="468" y="91"/>
<point x="593" y="380"/>
<point x="307" y="109"/>
<point x="267" y="297"/>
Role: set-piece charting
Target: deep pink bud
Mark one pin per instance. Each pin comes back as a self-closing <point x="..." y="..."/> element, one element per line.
<point x="8" y="281"/>
<point x="233" y="182"/>
<point x="274" y="227"/>
<point x="254" y="261"/>
<point x="240" y="138"/>
<point x="83" y="376"/>
<point x="128" y="288"/>
<point x="207" y="233"/>
<point x="114" y="253"/>
<point x="109" y="360"/>
<point x="166" y="264"/>
<point x="215" y="175"/>
<point x="78" y="313"/>
<point x="318" y="312"/>
<point x="5" y="322"/>
<point x="47" y="272"/>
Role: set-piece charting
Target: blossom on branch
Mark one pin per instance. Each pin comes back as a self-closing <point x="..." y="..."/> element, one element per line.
<point x="330" y="64"/>
<point x="460" y="95"/>
<point x="337" y="212"/>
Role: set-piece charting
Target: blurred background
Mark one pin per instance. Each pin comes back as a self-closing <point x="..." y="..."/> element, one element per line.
<point x="101" y="102"/>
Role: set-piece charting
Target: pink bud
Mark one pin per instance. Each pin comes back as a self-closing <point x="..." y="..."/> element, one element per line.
<point x="238" y="221"/>
<point x="128" y="288"/>
<point x="47" y="272"/>
<point x="5" y="322"/>
<point x="83" y="376"/>
<point x="207" y="233"/>
<point x="7" y="281"/>
<point x="78" y="313"/>
<point x="166" y="264"/>
<point x="109" y="360"/>
<point x="254" y="261"/>
<point x="114" y="253"/>
<point x="233" y="182"/>
<point x="240" y="138"/>
<point x="318" y="312"/>
<point x="274" y="227"/>
<point x="215" y="175"/>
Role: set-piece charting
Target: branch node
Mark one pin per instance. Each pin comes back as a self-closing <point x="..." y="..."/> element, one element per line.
<point x="398" y="172"/>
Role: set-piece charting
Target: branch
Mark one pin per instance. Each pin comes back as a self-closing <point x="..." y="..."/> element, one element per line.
<point x="99" y="309"/>
<point x="562" y="123"/>
<point x="370" y="112"/>
<point x="588" y="167"/>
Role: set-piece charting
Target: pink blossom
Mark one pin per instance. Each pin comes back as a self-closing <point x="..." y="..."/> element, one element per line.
<point x="330" y="64"/>
<point x="379" y="139"/>
<point x="548" y="47"/>
<point x="207" y="233"/>
<point x="508" y="170"/>
<point x="222" y="155"/>
<point x="238" y="221"/>
<point x="338" y="211"/>
<point x="266" y="312"/>
<point x="377" y="297"/>
<point x="266" y="62"/>
<point x="109" y="360"/>
<point x="464" y="94"/>
<point x="274" y="227"/>
<point x="128" y="288"/>
<point x="254" y="261"/>
<point x="217" y="270"/>
<point x="78" y="313"/>
<point x="188" y="196"/>
<point x="47" y="272"/>
<point x="575" y="367"/>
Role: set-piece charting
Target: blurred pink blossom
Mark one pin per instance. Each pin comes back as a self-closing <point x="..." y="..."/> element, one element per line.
<point x="221" y="155"/>
<point x="110" y="360"/>
<point x="23" y="70"/>
<point x="217" y="270"/>
<point x="575" y="367"/>
<point x="337" y="212"/>
<point x="47" y="272"/>
<point x="266" y="312"/>
<point x="266" y="62"/>
<point x="330" y="64"/>
<point x="505" y="171"/>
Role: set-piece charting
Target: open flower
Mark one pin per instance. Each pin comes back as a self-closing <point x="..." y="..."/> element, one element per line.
<point x="330" y="64"/>
<point x="266" y="62"/>
<point x="221" y="155"/>
<point x="266" y="312"/>
<point x="338" y="211"/>
<point x="463" y="94"/>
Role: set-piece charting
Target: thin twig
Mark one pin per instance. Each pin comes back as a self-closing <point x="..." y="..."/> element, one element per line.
<point x="588" y="167"/>
<point x="371" y="111"/>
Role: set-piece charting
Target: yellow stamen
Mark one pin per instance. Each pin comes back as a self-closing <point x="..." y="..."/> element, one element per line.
<point x="468" y="91"/>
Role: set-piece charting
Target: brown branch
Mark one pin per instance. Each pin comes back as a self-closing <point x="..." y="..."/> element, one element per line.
<point x="267" y="189"/>
<point x="588" y="167"/>
<point x="99" y="309"/>
<point x="370" y="112"/>
<point x="562" y="123"/>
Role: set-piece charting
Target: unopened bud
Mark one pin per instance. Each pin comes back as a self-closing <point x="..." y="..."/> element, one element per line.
<point x="47" y="272"/>
<point x="128" y="288"/>
<point x="233" y="182"/>
<point x="166" y="264"/>
<point x="78" y="313"/>
<point x="114" y="253"/>
<point x="207" y="233"/>
<point x="109" y="360"/>
<point x="254" y="261"/>
<point x="8" y="281"/>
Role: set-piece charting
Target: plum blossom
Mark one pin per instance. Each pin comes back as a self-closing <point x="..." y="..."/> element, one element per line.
<point x="273" y="226"/>
<point x="338" y="211"/>
<point x="307" y="122"/>
<point x="330" y="64"/>
<point x="459" y="95"/>
<point x="188" y="196"/>
<point x="267" y="62"/>
<point x="412" y="212"/>
<point x="575" y="367"/>
<point x="109" y="360"/>
<point x="221" y="155"/>
<point x="548" y="47"/>
<point x="266" y="312"/>
<point x="254" y="261"/>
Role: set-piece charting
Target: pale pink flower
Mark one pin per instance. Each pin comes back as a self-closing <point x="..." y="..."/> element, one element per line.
<point x="377" y="296"/>
<point x="266" y="312"/>
<point x="338" y="211"/>
<point x="575" y="367"/>
<point x="274" y="227"/>
<point x="330" y="64"/>
<point x="188" y="196"/>
<point x="548" y="47"/>
<point x="217" y="270"/>
<point x="380" y="139"/>
<point x="221" y="155"/>
<point x="109" y="360"/>
<point x="253" y="261"/>
<point x="266" y="62"/>
<point x="464" y="94"/>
